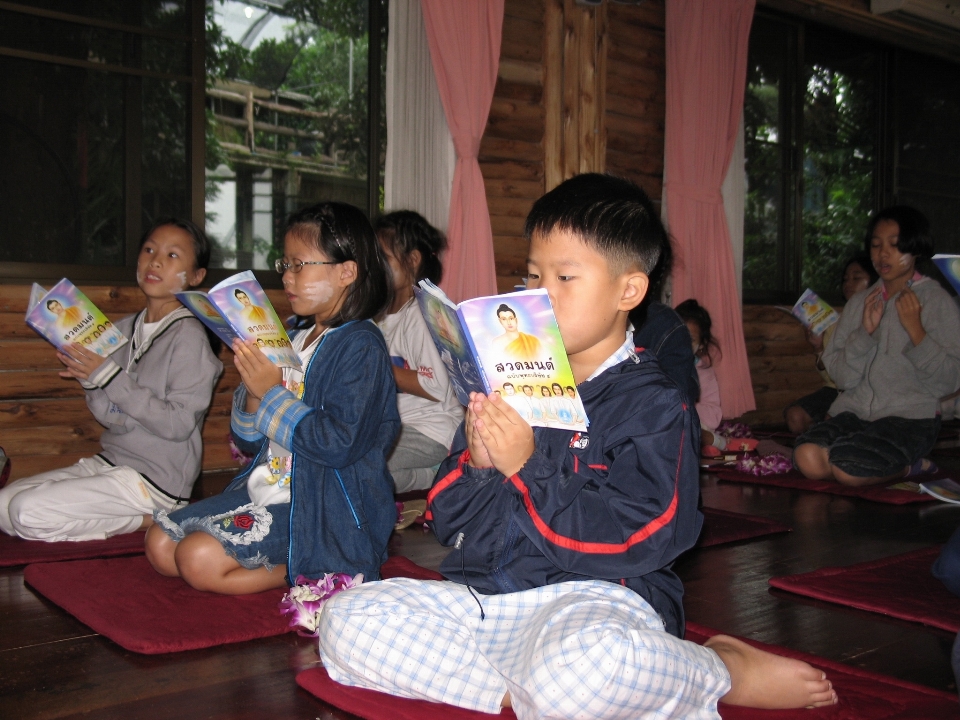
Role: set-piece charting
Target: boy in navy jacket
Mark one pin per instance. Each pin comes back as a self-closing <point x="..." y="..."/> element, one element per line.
<point x="562" y="601"/>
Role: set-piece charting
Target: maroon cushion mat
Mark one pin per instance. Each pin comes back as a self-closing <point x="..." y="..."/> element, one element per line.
<point x="900" y="586"/>
<point x="793" y="479"/>
<point x="127" y="601"/>
<point x="15" y="551"/>
<point x="723" y="526"/>
<point x="863" y="696"/>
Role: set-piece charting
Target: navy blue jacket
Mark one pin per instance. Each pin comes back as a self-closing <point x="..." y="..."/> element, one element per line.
<point x="665" y="334"/>
<point x="342" y="509"/>
<point x="618" y="503"/>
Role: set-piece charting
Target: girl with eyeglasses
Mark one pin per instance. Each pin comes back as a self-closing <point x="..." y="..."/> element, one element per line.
<point x="318" y="497"/>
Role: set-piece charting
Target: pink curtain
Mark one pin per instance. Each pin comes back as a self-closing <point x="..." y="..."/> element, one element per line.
<point x="706" y="43"/>
<point x="464" y="38"/>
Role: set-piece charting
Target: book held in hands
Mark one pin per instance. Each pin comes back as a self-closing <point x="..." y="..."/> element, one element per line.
<point x="949" y="265"/>
<point x="239" y="308"/>
<point x="64" y="315"/>
<point x="815" y="314"/>
<point x="509" y="344"/>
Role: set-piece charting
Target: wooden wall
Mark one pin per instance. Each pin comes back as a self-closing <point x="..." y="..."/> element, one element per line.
<point x="636" y="94"/>
<point x="44" y="420"/>
<point x="782" y="362"/>
<point x="579" y="89"/>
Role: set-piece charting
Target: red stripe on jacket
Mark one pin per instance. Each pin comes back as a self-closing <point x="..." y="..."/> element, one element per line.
<point x="448" y="480"/>
<point x="599" y="548"/>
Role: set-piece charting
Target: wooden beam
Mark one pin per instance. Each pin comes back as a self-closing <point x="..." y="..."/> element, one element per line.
<point x="553" y="95"/>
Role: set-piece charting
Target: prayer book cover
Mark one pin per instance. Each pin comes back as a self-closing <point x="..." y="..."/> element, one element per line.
<point x="509" y="344"/>
<point x="239" y="308"/>
<point x="64" y="315"/>
<point x="815" y="314"/>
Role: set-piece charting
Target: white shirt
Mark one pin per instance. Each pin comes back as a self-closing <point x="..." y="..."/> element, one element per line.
<point x="411" y="347"/>
<point x="269" y="483"/>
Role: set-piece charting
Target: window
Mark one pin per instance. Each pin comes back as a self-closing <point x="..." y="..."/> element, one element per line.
<point x="289" y="99"/>
<point x="94" y="131"/>
<point x="837" y="127"/>
<point x="116" y="112"/>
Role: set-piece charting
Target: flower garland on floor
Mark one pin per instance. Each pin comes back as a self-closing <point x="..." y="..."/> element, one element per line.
<point x="775" y="464"/>
<point x="305" y="599"/>
<point x="731" y="429"/>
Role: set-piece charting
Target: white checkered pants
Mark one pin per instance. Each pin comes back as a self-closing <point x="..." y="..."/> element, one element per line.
<point x="585" y="649"/>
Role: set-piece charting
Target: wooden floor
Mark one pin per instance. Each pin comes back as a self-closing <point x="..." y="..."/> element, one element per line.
<point x="51" y="666"/>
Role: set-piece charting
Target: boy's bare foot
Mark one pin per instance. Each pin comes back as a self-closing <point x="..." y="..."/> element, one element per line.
<point x="763" y="680"/>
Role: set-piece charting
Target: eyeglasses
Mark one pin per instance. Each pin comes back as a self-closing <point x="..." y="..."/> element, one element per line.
<point x="297" y="265"/>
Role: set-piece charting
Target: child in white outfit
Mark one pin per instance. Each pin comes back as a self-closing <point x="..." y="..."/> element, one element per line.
<point x="151" y="396"/>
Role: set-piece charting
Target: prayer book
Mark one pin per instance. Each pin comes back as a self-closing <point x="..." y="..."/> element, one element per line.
<point x="815" y="314"/>
<point x="508" y="344"/>
<point x="64" y="315"/>
<point x="946" y="490"/>
<point x="949" y="265"/>
<point x="239" y="308"/>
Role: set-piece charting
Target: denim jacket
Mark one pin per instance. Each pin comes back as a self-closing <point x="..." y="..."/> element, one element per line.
<point x="342" y="509"/>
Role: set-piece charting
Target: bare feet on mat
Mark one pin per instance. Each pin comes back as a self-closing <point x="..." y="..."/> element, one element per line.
<point x="764" y="680"/>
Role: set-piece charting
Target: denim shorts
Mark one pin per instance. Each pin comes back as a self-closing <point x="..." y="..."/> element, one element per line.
<point x="254" y="535"/>
<point x="873" y="449"/>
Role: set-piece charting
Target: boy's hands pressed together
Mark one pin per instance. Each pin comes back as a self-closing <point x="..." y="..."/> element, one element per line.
<point x="256" y="370"/>
<point x="80" y="362"/>
<point x="478" y="452"/>
<point x="507" y="437"/>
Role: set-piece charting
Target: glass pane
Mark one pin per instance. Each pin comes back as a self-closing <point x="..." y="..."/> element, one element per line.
<point x="164" y="173"/>
<point x="287" y="104"/>
<point x="840" y="78"/>
<point x="168" y="15"/>
<point x="928" y="144"/>
<point x="765" y="135"/>
<point x="62" y="150"/>
<point x="102" y="45"/>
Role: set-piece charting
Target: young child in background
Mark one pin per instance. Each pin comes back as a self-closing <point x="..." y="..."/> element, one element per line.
<point x="858" y="274"/>
<point x="151" y="396"/>
<point x="567" y="537"/>
<point x="895" y="353"/>
<point x="317" y="498"/>
<point x="699" y="324"/>
<point x="429" y="410"/>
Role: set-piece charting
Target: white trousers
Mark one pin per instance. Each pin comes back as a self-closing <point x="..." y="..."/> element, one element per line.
<point x="91" y="500"/>
<point x="583" y="649"/>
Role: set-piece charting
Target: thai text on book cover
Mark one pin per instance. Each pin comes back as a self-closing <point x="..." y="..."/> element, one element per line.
<point x="64" y="315"/>
<point x="239" y="308"/>
<point x="509" y="344"/>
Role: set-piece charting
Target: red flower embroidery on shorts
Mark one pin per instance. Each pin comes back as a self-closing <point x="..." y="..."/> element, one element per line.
<point x="244" y="522"/>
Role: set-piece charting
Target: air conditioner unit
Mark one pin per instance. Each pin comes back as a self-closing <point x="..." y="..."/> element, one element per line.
<point x="938" y="12"/>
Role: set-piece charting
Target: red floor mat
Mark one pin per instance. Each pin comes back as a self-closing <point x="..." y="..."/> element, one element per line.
<point x="14" y="551"/>
<point x="794" y="479"/>
<point x="126" y="600"/>
<point x="723" y="526"/>
<point x="863" y="696"/>
<point x="900" y="586"/>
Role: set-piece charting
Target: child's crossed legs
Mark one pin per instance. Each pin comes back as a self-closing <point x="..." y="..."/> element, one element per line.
<point x="577" y="649"/>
